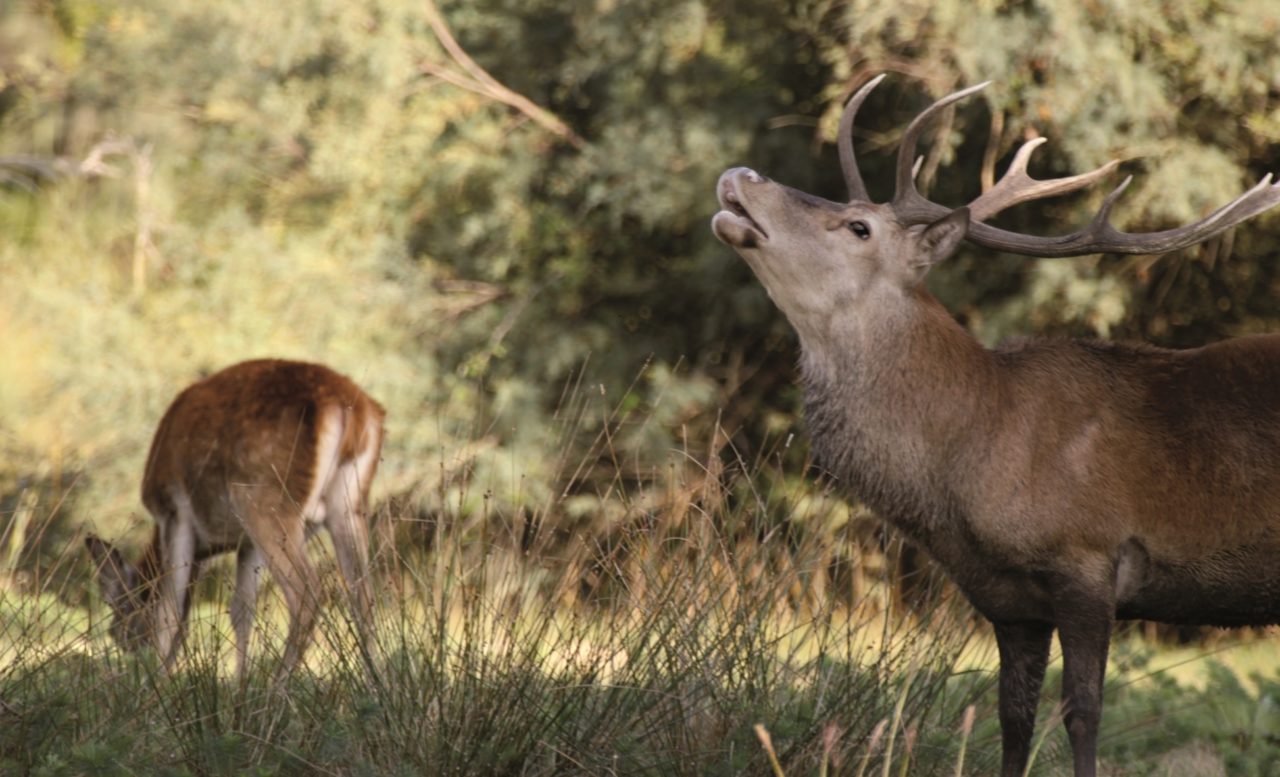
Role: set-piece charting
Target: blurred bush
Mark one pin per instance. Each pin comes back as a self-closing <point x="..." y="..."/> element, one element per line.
<point x="187" y="184"/>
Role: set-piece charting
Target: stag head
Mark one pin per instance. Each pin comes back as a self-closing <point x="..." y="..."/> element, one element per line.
<point x="816" y="257"/>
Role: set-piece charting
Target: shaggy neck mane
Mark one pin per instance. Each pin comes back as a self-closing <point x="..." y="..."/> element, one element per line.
<point x="891" y="405"/>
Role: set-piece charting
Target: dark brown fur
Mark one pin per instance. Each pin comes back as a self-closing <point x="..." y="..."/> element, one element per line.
<point x="1060" y="483"/>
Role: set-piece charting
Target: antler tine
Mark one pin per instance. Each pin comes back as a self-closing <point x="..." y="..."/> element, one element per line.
<point x="1100" y="237"/>
<point x="844" y="141"/>
<point x="1017" y="186"/>
<point x="905" y="193"/>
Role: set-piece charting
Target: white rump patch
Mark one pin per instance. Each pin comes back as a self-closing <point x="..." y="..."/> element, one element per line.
<point x="329" y="428"/>
<point x="346" y="486"/>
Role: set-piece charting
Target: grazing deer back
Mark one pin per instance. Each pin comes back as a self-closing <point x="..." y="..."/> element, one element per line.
<point x="269" y="423"/>
<point x="251" y="459"/>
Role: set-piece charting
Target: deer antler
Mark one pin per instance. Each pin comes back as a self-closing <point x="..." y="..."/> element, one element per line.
<point x="844" y="141"/>
<point x="905" y="194"/>
<point x="1017" y="186"/>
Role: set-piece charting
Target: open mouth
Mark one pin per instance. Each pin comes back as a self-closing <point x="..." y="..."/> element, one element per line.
<point x="734" y="223"/>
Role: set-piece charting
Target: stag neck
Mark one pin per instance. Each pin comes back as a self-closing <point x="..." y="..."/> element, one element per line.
<point x="910" y="394"/>
<point x="896" y="419"/>
<point x="917" y="341"/>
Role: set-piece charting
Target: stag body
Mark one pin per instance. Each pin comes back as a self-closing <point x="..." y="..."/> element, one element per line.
<point x="1061" y="484"/>
<point x="1155" y="468"/>
<point x="253" y="459"/>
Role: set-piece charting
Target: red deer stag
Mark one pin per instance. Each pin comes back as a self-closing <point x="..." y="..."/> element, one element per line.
<point x="251" y="459"/>
<point x="1062" y="484"/>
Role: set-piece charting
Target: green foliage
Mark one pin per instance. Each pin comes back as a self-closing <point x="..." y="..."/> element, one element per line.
<point x="310" y="183"/>
<point x="1224" y="721"/>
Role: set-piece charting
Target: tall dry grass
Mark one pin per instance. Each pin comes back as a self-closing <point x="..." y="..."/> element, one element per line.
<point x="510" y="643"/>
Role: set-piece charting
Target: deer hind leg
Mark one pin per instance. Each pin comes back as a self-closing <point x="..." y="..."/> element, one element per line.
<point x="276" y="529"/>
<point x="244" y="602"/>
<point x="339" y="502"/>
<point x="348" y="526"/>
<point x="178" y="535"/>
<point x="1024" y="651"/>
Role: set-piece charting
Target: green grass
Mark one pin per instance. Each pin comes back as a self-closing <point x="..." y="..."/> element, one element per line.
<point x="648" y="639"/>
<point x="486" y="665"/>
<point x="491" y="660"/>
<point x="651" y="639"/>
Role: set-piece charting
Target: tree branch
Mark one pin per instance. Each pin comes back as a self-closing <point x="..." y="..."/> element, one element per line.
<point x="477" y="79"/>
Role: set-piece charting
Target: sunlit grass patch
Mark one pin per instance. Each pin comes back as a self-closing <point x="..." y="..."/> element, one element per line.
<point x="480" y="669"/>
<point x="638" y="622"/>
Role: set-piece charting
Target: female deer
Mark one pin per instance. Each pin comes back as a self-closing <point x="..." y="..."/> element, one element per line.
<point x="253" y="459"/>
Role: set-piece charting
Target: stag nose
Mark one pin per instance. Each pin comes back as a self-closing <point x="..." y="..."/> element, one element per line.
<point x="746" y="172"/>
<point x="732" y="180"/>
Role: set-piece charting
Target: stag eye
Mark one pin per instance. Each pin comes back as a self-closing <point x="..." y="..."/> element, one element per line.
<point x="860" y="229"/>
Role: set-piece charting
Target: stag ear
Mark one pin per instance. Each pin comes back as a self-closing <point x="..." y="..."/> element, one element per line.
<point x="939" y="240"/>
<point x="116" y="577"/>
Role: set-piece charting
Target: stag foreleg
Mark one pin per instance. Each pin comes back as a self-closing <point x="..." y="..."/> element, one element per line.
<point x="1024" y="651"/>
<point x="1084" y="630"/>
